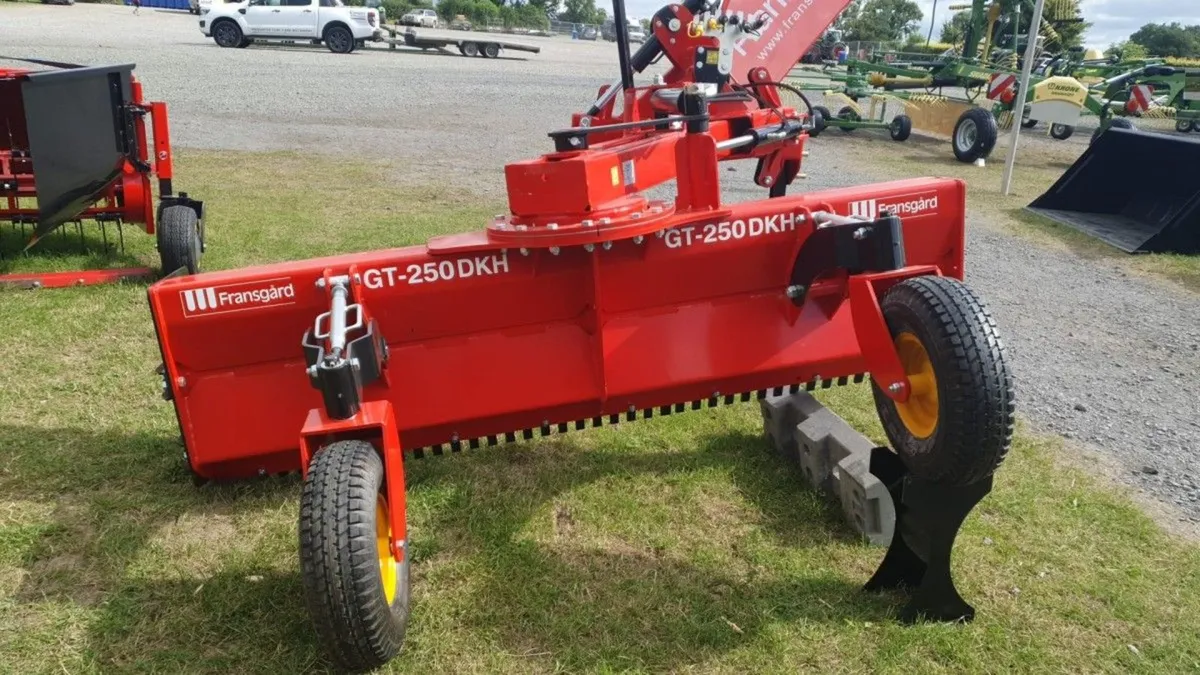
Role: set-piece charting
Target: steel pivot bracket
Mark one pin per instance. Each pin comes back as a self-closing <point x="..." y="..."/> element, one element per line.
<point x="928" y="518"/>
<point x="338" y="366"/>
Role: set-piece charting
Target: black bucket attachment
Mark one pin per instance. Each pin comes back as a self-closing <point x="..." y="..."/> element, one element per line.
<point x="80" y="131"/>
<point x="1132" y="189"/>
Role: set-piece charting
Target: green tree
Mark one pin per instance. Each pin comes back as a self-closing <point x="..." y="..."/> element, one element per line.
<point x="1173" y="39"/>
<point x="1126" y="50"/>
<point x="884" y="21"/>
<point x="580" y="11"/>
<point x="955" y="28"/>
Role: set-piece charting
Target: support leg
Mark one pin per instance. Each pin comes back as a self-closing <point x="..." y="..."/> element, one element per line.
<point x="929" y="516"/>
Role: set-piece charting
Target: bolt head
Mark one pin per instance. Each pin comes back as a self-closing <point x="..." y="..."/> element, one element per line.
<point x="524" y="251"/>
<point x="896" y="387"/>
<point x="768" y="180"/>
<point x="795" y="291"/>
<point x="553" y="250"/>
<point x="607" y="245"/>
<point x="638" y="239"/>
<point x="861" y="233"/>
<point x="181" y="381"/>
<point x="589" y="247"/>
<point x="162" y="155"/>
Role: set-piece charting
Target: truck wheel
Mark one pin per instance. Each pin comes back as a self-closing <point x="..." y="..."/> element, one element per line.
<point x="491" y="50"/>
<point x="357" y="595"/>
<point x="1061" y="132"/>
<point x="900" y="128"/>
<point x="179" y="239"/>
<point x="1184" y="126"/>
<point x="227" y="34"/>
<point x="975" y="135"/>
<point x="957" y="423"/>
<point x="339" y="39"/>
<point x="469" y="49"/>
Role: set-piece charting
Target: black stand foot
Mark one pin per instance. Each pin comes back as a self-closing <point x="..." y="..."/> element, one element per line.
<point x="928" y="517"/>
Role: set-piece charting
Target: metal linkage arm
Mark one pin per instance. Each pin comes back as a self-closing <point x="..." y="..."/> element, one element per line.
<point x="339" y="366"/>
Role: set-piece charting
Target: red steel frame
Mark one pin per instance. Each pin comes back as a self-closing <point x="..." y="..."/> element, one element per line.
<point x="129" y="199"/>
<point x="586" y="303"/>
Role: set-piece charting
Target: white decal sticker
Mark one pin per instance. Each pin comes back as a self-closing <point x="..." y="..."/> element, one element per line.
<point x="437" y="270"/>
<point x="924" y="204"/>
<point x="238" y="297"/>
<point x="714" y="233"/>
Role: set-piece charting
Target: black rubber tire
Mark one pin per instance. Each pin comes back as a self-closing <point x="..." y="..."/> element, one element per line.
<point x="339" y="39"/>
<point x="1196" y="126"/>
<point x="824" y="115"/>
<point x="847" y="113"/>
<point x="1061" y="132"/>
<point x="469" y="49"/>
<point x="1184" y="126"/>
<point x="975" y="417"/>
<point x="226" y="33"/>
<point x="343" y="586"/>
<point x="986" y="134"/>
<point x="179" y="239"/>
<point x="246" y="42"/>
<point x="900" y="128"/>
<point x="490" y="50"/>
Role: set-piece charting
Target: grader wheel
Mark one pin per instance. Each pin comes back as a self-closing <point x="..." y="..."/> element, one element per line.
<point x="357" y="594"/>
<point x="957" y="422"/>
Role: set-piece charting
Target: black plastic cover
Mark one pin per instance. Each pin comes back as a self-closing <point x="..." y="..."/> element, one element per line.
<point x="80" y="133"/>
<point x="1135" y="190"/>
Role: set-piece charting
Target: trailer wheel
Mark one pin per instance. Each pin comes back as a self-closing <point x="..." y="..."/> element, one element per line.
<point x="469" y="49"/>
<point x="1184" y="126"/>
<point x="849" y="114"/>
<point x="975" y="135"/>
<point x="179" y="239"/>
<point x="900" y="128"/>
<point x="227" y="34"/>
<point x="957" y="423"/>
<point x="339" y="39"/>
<point x="356" y="593"/>
<point x="491" y="50"/>
<point x="1061" y="132"/>
<point x="1114" y="123"/>
<point x="821" y="117"/>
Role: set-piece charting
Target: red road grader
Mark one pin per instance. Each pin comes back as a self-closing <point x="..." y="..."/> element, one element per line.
<point x="591" y="304"/>
<point x="73" y="147"/>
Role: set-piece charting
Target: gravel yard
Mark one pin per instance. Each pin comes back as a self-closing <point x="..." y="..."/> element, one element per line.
<point x="1105" y="359"/>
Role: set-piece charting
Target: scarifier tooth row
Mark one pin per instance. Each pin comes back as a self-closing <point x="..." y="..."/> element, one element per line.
<point x="456" y="444"/>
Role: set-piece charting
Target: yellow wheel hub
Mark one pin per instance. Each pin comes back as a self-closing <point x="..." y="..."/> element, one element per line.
<point x="383" y="545"/>
<point x="920" y="412"/>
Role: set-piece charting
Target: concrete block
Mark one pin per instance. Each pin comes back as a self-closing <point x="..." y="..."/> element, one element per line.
<point x="833" y="458"/>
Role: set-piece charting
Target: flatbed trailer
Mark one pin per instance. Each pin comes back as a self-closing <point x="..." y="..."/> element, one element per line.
<point x="485" y="45"/>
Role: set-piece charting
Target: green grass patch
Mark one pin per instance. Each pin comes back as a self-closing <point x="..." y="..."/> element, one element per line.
<point x="675" y="544"/>
<point x="1037" y="169"/>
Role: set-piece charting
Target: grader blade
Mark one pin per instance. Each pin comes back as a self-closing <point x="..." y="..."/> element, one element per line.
<point x="1131" y="189"/>
<point x="78" y="135"/>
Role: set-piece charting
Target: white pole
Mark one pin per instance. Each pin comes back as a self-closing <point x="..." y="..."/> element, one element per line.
<point x="1023" y="92"/>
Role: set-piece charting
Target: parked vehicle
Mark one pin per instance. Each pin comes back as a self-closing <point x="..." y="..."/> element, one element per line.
<point x="425" y="18"/>
<point x="342" y="29"/>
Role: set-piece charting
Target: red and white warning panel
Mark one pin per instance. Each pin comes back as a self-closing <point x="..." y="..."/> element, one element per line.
<point x="1140" y="98"/>
<point x="1000" y="84"/>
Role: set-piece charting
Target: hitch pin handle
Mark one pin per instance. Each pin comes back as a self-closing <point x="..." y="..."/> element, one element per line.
<point x="337" y="318"/>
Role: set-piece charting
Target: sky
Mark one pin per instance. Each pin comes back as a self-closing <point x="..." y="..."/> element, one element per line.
<point x="1112" y="20"/>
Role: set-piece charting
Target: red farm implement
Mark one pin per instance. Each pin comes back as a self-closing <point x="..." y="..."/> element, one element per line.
<point x="590" y="304"/>
<point x="74" y="148"/>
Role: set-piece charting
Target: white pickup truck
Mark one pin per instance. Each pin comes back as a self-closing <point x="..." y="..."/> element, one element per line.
<point x="237" y="24"/>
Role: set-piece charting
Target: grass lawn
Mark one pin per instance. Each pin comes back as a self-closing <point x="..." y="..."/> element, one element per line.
<point x="1037" y="169"/>
<point x="675" y="544"/>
